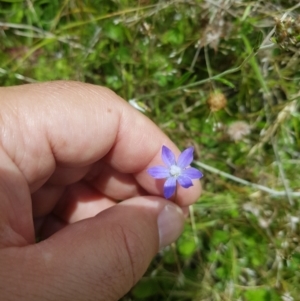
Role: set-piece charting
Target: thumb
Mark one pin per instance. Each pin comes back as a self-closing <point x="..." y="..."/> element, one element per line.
<point x="103" y="257"/>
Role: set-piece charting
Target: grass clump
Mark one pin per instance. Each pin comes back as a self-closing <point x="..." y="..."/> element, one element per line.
<point x="221" y="76"/>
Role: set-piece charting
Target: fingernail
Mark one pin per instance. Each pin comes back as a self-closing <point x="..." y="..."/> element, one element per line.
<point x="170" y="224"/>
<point x="186" y="211"/>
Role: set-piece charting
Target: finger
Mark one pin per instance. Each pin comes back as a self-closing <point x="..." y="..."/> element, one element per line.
<point x="67" y="176"/>
<point x="114" y="184"/>
<point x="16" y="224"/>
<point x="78" y="124"/>
<point x="45" y="199"/>
<point x="96" y="259"/>
<point x="71" y="204"/>
<point x="183" y="197"/>
<point x="81" y="201"/>
<point x="102" y="177"/>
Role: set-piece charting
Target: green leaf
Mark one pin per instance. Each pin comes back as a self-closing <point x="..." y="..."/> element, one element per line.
<point x="187" y="247"/>
<point x="115" y="32"/>
<point x="173" y="36"/>
<point x="220" y="237"/>
<point x="225" y="82"/>
<point x="145" y="288"/>
<point x="183" y="79"/>
<point x="258" y="295"/>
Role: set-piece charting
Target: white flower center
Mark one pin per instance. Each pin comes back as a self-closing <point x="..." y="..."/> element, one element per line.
<point x="175" y="171"/>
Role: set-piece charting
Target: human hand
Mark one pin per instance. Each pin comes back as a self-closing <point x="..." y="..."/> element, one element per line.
<point x="69" y="151"/>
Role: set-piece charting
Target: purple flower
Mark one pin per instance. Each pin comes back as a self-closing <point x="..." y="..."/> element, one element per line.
<point x="175" y="171"/>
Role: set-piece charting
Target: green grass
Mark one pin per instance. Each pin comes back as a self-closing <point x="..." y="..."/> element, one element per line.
<point x="170" y="57"/>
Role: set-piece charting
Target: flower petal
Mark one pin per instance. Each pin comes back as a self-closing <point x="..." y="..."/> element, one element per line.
<point x="186" y="157"/>
<point x="185" y="181"/>
<point x="158" y="172"/>
<point x="169" y="187"/>
<point x="192" y="173"/>
<point x="167" y="156"/>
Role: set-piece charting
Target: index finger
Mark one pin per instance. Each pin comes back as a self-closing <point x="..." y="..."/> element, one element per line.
<point x="71" y="124"/>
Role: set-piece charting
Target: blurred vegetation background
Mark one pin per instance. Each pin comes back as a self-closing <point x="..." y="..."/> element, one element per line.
<point x="221" y="75"/>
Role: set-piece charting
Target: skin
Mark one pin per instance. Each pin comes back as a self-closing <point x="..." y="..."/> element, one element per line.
<point x="69" y="153"/>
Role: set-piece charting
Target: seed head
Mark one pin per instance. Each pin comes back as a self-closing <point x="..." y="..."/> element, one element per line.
<point x="216" y="101"/>
<point x="238" y="129"/>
